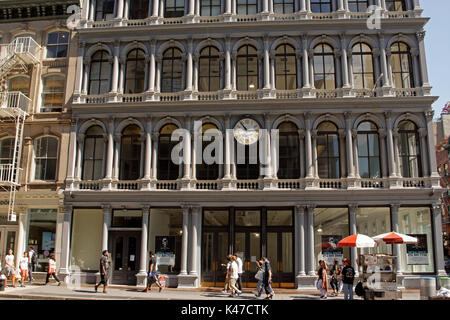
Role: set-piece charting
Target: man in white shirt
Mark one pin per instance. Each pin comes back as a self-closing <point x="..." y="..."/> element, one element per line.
<point x="10" y="271"/>
<point x="23" y="266"/>
<point x="240" y="271"/>
<point x="234" y="276"/>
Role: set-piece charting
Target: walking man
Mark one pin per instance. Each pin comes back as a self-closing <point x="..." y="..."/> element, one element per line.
<point x="239" y="264"/>
<point x="105" y="269"/>
<point x="348" y="276"/>
<point x="10" y="271"/>
<point x="152" y="276"/>
<point x="32" y="259"/>
<point x="267" y="279"/>
<point x="234" y="276"/>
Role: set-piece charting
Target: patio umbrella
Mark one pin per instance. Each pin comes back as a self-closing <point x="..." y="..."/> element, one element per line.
<point x="395" y="238"/>
<point x="357" y="241"/>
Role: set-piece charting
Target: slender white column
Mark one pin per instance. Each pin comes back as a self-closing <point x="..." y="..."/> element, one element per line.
<point x="310" y="254"/>
<point x="390" y="145"/>
<point x="302" y="5"/>
<point x="349" y="145"/>
<point x="191" y="9"/>
<point x="92" y="10"/>
<point x="110" y="150"/>
<point x="155" y="136"/>
<point x="233" y="70"/>
<point x="396" y="247"/>
<point x="270" y="150"/>
<point x="422" y="56"/>
<point x="431" y="151"/>
<point x="184" y="240"/>
<point x="195" y="214"/>
<point x="144" y="239"/>
<point x="298" y="57"/>
<point x="121" y="85"/>
<point x="87" y="66"/>
<point x="353" y="230"/>
<point x="395" y="136"/>
<point x="151" y="73"/>
<point x="187" y="149"/>
<point x="155" y="8"/>
<point x="107" y="218"/>
<point x="384" y="67"/>
<point x="148" y="149"/>
<point x="65" y="240"/>
<point x="424" y="150"/>
<point x="302" y="153"/>
<point x="119" y="9"/>
<point x="311" y="67"/>
<point x="415" y="63"/>
<point x="21" y="236"/>
<point x="228" y="63"/>
<point x="117" y="139"/>
<point x="115" y="61"/>
<point x="300" y="227"/>
<point x="341" y="5"/>
<point x="344" y="64"/>
<point x="383" y="154"/>
<point x="228" y="7"/>
<point x="306" y="78"/>
<point x="72" y="150"/>
<point x="314" y="153"/>
<point x="196" y="60"/>
<point x="265" y="6"/>
<point x="266" y="64"/>
<point x="228" y="145"/>
<point x="436" y="213"/>
<point x="80" y="149"/>
<point x="308" y="147"/>
<point x="80" y="72"/>
<point x="158" y="74"/>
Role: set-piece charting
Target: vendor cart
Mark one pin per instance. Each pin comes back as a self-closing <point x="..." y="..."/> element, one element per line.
<point x="379" y="277"/>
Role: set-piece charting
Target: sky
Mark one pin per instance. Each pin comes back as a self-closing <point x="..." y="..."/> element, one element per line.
<point x="437" y="44"/>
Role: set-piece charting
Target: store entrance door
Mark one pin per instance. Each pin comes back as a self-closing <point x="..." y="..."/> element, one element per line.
<point x="125" y="249"/>
<point x="280" y="250"/>
<point x="8" y="240"/>
<point x="247" y="244"/>
<point x="215" y="251"/>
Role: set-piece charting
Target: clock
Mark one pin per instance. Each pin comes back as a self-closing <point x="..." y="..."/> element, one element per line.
<point x="246" y="131"/>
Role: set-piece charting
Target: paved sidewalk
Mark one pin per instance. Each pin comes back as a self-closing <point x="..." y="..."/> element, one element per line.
<point x="86" y="292"/>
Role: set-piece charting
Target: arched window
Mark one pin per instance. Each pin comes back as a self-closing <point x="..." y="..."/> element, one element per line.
<point x="167" y="170"/>
<point x="247" y="68"/>
<point x="362" y="62"/>
<point x="368" y="150"/>
<point x="324" y="70"/>
<point x="130" y="153"/>
<point x="358" y="5"/>
<point x="57" y="44"/>
<point x="247" y="7"/>
<point x="135" y="71"/>
<point x="46" y="158"/>
<point x="104" y="10"/>
<point x="207" y="171"/>
<point x="401" y="65"/>
<point x="172" y="70"/>
<point x="100" y="73"/>
<point x="321" y="6"/>
<point x="395" y="5"/>
<point x="285" y="68"/>
<point x="409" y="150"/>
<point x="6" y="150"/>
<point x="283" y="6"/>
<point x="21" y="84"/>
<point x="289" y="151"/>
<point x="138" y="9"/>
<point x="210" y="7"/>
<point x="173" y="8"/>
<point x="328" y="151"/>
<point x="209" y="70"/>
<point x="94" y="153"/>
<point x="53" y="93"/>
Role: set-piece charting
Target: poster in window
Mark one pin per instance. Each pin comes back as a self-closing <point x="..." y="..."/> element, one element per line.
<point x="417" y="254"/>
<point x="48" y="241"/>
<point x="165" y="250"/>
<point x="330" y="249"/>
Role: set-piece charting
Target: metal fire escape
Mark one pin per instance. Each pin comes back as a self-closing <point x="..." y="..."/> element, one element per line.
<point x="22" y="53"/>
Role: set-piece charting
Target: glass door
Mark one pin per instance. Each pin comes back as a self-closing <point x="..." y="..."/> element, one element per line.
<point x="125" y="248"/>
<point x="280" y="252"/>
<point x="8" y="240"/>
<point x="248" y="247"/>
<point x="214" y="260"/>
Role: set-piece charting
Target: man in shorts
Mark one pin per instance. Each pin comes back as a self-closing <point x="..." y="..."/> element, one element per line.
<point x="10" y="271"/>
<point x="152" y="276"/>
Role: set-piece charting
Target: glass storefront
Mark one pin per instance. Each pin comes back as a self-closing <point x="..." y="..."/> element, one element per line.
<point x="372" y="222"/>
<point x="41" y="235"/>
<point x="127" y="219"/>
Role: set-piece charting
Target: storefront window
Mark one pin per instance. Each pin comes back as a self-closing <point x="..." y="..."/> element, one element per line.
<point x="372" y="222"/>
<point x="279" y="218"/>
<point x="330" y="227"/>
<point x="416" y="222"/>
<point x="215" y="218"/>
<point x="166" y="222"/>
<point x="41" y="235"/>
<point x="248" y="218"/>
<point x="86" y="245"/>
<point x="127" y="219"/>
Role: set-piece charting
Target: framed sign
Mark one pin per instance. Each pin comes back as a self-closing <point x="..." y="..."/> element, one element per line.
<point x="417" y="254"/>
<point x="330" y="249"/>
<point x="165" y="250"/>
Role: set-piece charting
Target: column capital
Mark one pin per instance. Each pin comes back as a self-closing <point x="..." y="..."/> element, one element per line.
<point x="429" y="115"/>
<point x="146" y="208"/>
<point x="342" y="133"/>
<point x="436" y="207"/>
<point x="422" y="132"/>
<point x="376" y="52"/>
<point x="388" y="115"/>
<point x="67" y="209"/>
<point x="107" y="209"/>
<point x="80" y="137"/>
<point x="420" y="35"/>
<point x="348" y="116"/>
<point x="301" y="134"/>
<point x="117" y="137"/>
<point x="382" y="133"/>
<point x="299" y="209"/>
<point x="155" y="136"/>
<point x="352" y="207"/>
<point x="310" y="208"/>
<point x="338" y="52"/>
<point x="395" y="207"/>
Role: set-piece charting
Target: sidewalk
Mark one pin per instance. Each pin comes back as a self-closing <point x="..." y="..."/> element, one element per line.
<point x="86" y="292"/>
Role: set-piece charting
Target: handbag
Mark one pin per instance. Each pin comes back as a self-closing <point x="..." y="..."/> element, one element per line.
<point x="259" y="275"/>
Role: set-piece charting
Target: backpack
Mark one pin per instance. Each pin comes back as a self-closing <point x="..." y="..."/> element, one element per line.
<point x="359" y="290"/>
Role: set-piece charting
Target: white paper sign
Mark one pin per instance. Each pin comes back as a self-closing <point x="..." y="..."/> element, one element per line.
<point x="132" y="257"/>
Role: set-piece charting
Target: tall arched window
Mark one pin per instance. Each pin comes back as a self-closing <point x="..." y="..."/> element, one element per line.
<point x="210" y="7"/>
<point x="358" y="5"/>
<point x="100" y="73"/>
<point x="409" y="150"/>
<point x="172" y="70"/>
<point x="368" y="150"/>
<point x="285" y="68"/>
<point x="207" y="171"/>
<point x="94" y="153"/>
<point x="247" y="68"/>
<point x="395" y="5"/>
<point x="53" y="93"/>
<point x="401" y="64"/>
<point x="328" y="151"/>
<point x="130" y="153"/>
<point x="104" y="10"/>
<point x="321" y="6"/>
<point x="138" y="9"/>
<point x="46" y="158"/>
<point x="362" y="62"/>
<point x="135" y="71"/>
<point x="173" y="8"/>
<point x="167" y="170"/>
<point x="283" y="6"/>
<point x="6" y="150"/>
<point x="247" y="7"/>
<point x="324" y="70"/>
<point x="19" y="83"/>
<point x="289" y="151"/>
<point x="209" y="70"/>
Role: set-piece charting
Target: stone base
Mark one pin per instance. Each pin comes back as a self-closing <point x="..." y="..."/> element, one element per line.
<point x="141" y="279"/>
<point x="188" y="281"/>
<point x="306" y="282"/>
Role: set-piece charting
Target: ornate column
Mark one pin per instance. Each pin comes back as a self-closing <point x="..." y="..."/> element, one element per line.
<point x="194" y="246"/>
<point x="144" y="240"/>
<point x="310" y="253"/>
<point x="311" y="67"/>
<point x="301" y="138"/>
<point x="122" y="75"/>
<point x="110" y="150"/>
<point x="306" y="78"/>
<point x="308" y="147"/>
<point x="189" y="67"/>
<point x="107" y="218"/>
<point x="184" y="240"/>
<point x="233" y="70"/>
<point x="344" y="63"/>
<point x="302" y="5"/>
<point x="158" y="73"/>
<point x="376" y="64"/>
<point x="395" y="135"/>
<point x="349" y="145"/>
<point x="148" y="149"/>
<point x="414" y="57"/>
<point x="431" y="151"/>
<point x="436" y="213"/>
<point x="298" y="57"/>
<point x="383" y="154"/>
<point x="355" y="153"/>
<point x="424" y="150"/>
<point x="384" y="64"/>
<point x="72" y="158"/>
<point x="187" y="150"/>
<point x="390" y="146"/>
<point x="80" y="72"/>
<point x="396" y="247"/>
<point x="352" y="208"/>
<point x="155" y="12"/>
<point x="117" y="139"/>
<point x="151" y="73"/>
<point x="86" y="71"/>
<point x="300" y="239"/>
<point x="228" y="63"/>
<point x="91" y="10"/>
<point x="423" y="61"/>
<point x="196" y="60"/>
<point x="389" y="67"/>
<point x="115" y="62"/>
<point x="228" y="145"/>
<point x="66" y="213"/>
<point x="119" y="9"/>
<point x="80" y="149"/>
<point x="155" y="136"/>
<point x="314" y="153"/>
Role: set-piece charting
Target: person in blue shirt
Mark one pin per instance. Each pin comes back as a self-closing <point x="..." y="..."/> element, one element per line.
<point x="267" y="280"/>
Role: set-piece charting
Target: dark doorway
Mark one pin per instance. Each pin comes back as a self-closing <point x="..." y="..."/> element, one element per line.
<point x="125" y="248"/>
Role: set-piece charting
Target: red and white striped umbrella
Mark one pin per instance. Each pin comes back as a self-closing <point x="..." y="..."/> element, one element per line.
<point x="357" y="241"/>
<point x="395" y="238"/>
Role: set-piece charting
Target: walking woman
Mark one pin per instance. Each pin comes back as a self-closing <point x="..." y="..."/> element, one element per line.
<point x="322" y="284"/>
<point x="52" y="270"/>
<point x="260" y="277"/>
<point x="267" y="280"/>
<point x="104" y="271"/>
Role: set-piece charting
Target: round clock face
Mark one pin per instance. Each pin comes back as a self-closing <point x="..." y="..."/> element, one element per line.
<point x="246" y="131"/>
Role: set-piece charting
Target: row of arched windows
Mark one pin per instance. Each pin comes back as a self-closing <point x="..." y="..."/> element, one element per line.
<point x="211" y="71"/>
<point x="328" y="153"/>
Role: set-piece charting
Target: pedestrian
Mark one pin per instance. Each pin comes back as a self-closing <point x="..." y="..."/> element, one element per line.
<point x="105" y="271"/>
<point x="323" y="280"/>
<point x="152" y="276"/>
<point x="32" y="259"/>
<point x="10" y="271"/>
<point x="234" y="276"/>
<point x="335" y="274"/>
<point x="267" y="279"/>
<point x="23" y="266"/>
<point x="227" y="274"/>
<point x="388" y="266"/>
<point x="52" y="270"/>
<point x="348" y="277"/>
<point x="240" y="271"/>
<point x="259" y="276"/>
